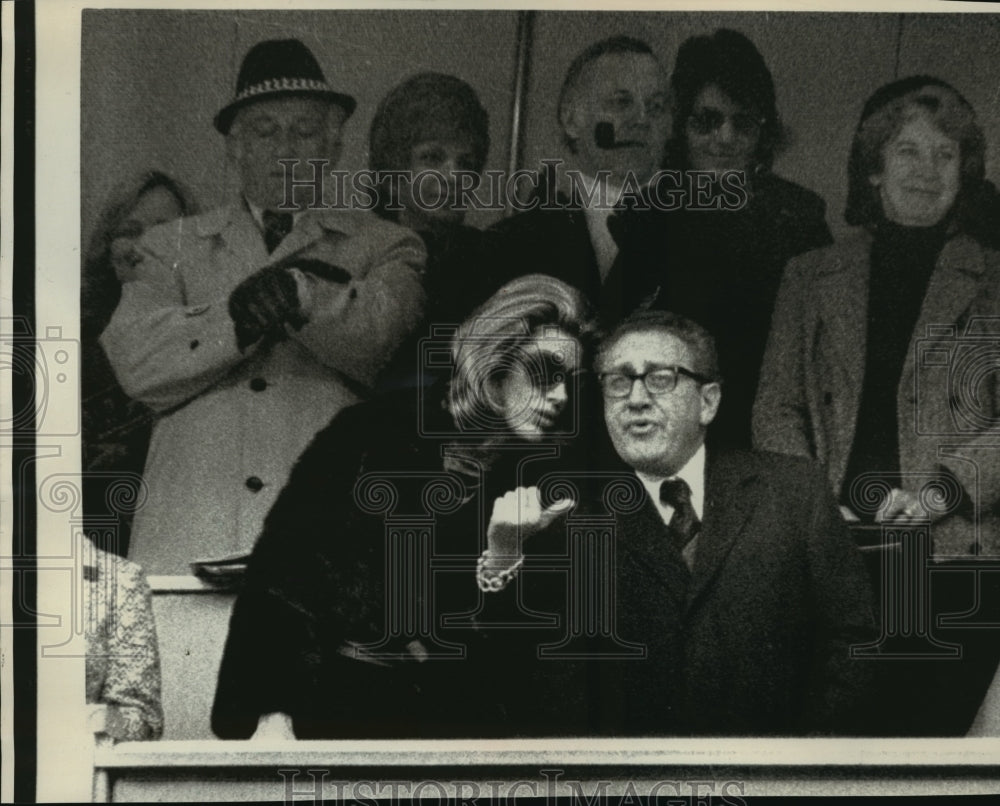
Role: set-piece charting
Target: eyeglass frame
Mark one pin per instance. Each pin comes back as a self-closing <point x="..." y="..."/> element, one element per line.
<point x="753" y="129"/>
<point x="677" y="370"/>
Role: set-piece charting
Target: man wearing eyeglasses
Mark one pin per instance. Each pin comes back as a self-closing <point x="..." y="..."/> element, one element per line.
<point x="738" y="573"/>
<point x="247" y="328"/>
<point x="737" y="590"/>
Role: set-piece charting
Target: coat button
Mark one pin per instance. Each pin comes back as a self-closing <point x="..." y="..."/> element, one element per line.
<point x="258" y="384"/>
<point x="254" y="484"/>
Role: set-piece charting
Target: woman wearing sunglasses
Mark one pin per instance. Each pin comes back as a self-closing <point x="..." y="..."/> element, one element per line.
<point x="722" y="267"/>
<point x="341" y="629"/>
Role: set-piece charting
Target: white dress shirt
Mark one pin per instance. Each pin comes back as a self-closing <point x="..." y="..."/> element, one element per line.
<point x="258" y="214"/>
<point x="597" y="215"/>
<point x="693" y="473"/>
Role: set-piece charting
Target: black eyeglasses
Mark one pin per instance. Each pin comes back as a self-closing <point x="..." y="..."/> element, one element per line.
<point x="709" y="119"/>
<point x="657" y="382"/>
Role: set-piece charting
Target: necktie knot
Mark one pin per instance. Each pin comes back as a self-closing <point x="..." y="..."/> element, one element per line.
<point x="675" y="493"/>
<point x="684" y="523"/>
<point x="276" y="227"/>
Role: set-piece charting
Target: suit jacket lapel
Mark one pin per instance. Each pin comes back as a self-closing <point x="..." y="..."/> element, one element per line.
<point x="730" y="499"/>
<point x="842" y="288"/>
<point x="243" y="240"/>
<point x="648" y="566"/>
<point x="954" y="283"/>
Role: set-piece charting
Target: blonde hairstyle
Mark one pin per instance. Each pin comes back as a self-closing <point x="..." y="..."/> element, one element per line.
<point x="487" y="345"/>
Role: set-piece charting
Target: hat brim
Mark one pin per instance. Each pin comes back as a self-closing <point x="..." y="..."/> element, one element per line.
<point x="224" y="119"/>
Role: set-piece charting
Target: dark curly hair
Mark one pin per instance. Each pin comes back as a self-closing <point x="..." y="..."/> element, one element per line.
<point x="730" y="61"/>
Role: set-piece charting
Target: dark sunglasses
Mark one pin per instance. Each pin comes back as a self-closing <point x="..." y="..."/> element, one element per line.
<point x="546" y="370"/>
<point x="709" y="119"/>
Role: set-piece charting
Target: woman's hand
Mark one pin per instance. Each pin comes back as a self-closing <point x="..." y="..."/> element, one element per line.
<point x="124" y="258"/>
<point x="901" y="506"/>
<point x="274" y="727"/>
<point x="516" y="517"/>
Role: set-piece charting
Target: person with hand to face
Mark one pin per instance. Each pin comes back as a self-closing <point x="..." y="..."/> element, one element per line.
<point x="249" y="326"/>
<point x="856" y="377"/>
<point x="116" y="429"/>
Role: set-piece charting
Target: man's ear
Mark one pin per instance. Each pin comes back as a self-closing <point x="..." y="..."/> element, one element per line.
<point x="335" y="119"/>
<point x="571" y="117"/>
<point x="336" y="148"/>
<point x="711" y="395"/>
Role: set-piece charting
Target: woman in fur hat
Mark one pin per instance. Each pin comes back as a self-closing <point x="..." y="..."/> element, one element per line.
<point x="429" y="137"/>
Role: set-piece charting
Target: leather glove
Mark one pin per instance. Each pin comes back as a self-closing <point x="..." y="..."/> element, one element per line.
<point x="317" y="268"/>
<point x="262" y="304"/>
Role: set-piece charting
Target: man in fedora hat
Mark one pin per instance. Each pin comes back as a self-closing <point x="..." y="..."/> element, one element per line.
<point x="250" y="326"/>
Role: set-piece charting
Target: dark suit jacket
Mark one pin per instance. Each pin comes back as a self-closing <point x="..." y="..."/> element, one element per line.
<point x="551" y="241"/>
<point x="722" y="269"/>
<point x="756" y="643"/>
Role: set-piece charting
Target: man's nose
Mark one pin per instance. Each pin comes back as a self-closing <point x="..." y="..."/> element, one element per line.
<point x="638" y="395"/>
<point x="638" y="116"/>
<point x="283" y="143"/>
<point x="448" y="169"/>
<point x="289" y="144"/>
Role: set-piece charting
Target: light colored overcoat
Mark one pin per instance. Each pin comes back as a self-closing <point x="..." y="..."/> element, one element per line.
<point x="231" y="424"/>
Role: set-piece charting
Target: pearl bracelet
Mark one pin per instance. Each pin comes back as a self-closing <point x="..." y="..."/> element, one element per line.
<point x="495" y="581"/>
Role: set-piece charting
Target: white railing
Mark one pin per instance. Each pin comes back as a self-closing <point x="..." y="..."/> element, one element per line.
<point x="574" y="768"/>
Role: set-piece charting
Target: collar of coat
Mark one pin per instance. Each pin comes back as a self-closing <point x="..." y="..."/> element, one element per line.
<point x="347" y="222"/>
<point x="961" y="253"/>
